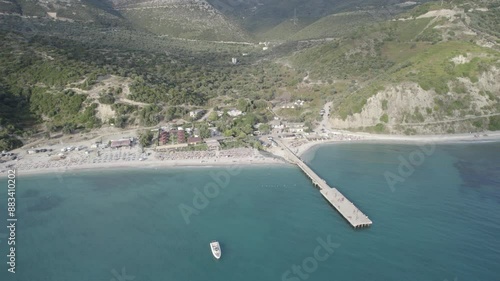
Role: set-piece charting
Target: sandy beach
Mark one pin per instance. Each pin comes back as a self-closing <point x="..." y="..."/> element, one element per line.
<point x="343" y="136"/>
<point x="133" y="157"/>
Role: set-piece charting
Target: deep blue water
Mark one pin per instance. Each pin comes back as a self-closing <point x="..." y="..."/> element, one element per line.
<point x="439" y="223"/>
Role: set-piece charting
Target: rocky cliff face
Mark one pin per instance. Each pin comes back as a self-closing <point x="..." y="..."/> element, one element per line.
<point x="407" y="108"/>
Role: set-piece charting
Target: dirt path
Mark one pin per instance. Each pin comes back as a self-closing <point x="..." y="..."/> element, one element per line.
<point x="205" y="117"/>
<point x="449" y="121"/>
<point x="326" y="117"/>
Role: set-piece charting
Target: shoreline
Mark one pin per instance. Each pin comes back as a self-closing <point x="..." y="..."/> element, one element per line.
<point x="401" y="139"/>
<point x="251" y="159"/>
<point x="149" y="166"/>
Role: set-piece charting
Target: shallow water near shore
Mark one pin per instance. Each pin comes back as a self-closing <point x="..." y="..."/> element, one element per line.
<point x="439" y="223"/>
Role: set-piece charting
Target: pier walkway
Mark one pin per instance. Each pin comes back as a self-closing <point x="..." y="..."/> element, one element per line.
<point x="345" y="207"/>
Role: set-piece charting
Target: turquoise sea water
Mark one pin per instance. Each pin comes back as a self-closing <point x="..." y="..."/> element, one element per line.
<point x="442" y="222"/>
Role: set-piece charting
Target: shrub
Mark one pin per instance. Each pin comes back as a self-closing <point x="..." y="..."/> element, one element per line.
<point x="494" y="123"/>
<point x="384" y="118"/>
<point x="107" y="99"/>
<point x="384" y="104"/>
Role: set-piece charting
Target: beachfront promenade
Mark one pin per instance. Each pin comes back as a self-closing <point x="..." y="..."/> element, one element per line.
<point x="345" y="207"/>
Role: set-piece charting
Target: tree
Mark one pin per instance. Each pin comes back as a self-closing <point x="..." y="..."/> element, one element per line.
<point x="204" y="131"/>
<point x="121" y="121"/>
<point x="149" y="115"/>
<point x="265" y="128"/>
<point x="68" y="128"/>
<point x="309" y="126"/>
<point x="244" y="105"/>
<point x="212" y="116"/>
<point x="228" y="133"/>
<point x="9" y="142"/>
<point x="145" y="138"/>
<point x="107" y="98"/>
<point x="256" y="144"/>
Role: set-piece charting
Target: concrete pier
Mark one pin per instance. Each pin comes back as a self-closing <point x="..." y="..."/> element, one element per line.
<point x="345" y="207"/>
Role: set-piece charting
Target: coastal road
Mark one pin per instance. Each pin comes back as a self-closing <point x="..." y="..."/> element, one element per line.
<point x="323" y="124"/>
<point x="450" y="120"/>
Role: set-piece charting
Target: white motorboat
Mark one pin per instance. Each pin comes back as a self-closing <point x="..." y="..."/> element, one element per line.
<point x="215" y="247"/>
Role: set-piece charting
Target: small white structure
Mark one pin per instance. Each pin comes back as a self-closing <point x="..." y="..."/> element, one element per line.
<point x="234" y="60"/>
<point x="276" y="124"/>
<point x="52" y="15"/>
<point x="299" y="102"/>
<point x="234" y="112"/>
<point x="196" y="113"/>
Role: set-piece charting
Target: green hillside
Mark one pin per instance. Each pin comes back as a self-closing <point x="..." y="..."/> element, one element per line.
<point x="338" y="25"/>
<point x="184" y="22"/>
<point x="439" y="54"/>
<point x="85" y="10"/>
<point x="260" y="17"/>
<point x="432" y="68"/>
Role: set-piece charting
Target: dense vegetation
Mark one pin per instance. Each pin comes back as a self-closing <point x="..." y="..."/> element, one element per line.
<point x="51" y="70"/>
<point x="487" y="21"/>
<point x="398" y="51"/>
<point x="43" y="77"/>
